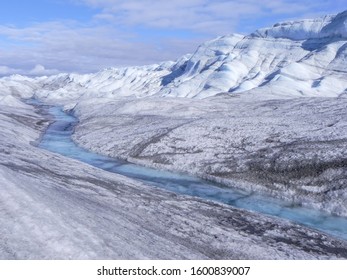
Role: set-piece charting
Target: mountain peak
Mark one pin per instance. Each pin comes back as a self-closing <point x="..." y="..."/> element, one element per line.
<point x="330" y="26"/>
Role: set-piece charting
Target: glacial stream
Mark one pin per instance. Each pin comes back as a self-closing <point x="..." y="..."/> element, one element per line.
<point x="57" y="138"/>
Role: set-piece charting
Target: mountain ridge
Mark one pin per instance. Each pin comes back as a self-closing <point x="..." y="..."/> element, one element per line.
<point x="289" y="59"/>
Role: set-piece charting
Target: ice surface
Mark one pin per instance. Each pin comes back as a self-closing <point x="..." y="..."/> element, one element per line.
<point x="58" y="139"/>
<point x="53" y="207"/>
<point x="292" y="149"/>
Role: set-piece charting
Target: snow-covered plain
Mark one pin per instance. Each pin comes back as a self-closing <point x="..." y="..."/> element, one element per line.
<point x="263" y="112"/>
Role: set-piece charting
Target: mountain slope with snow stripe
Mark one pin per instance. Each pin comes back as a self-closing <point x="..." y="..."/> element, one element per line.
<point x="291" y="59"/>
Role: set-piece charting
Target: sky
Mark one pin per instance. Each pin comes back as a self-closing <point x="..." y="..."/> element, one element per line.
<point x="45" y="37"/>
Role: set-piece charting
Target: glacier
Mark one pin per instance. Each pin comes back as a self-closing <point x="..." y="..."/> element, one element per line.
<point x="55" y="207"/>
<point x="263" y="112"/>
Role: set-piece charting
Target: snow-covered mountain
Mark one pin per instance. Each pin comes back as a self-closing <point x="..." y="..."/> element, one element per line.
<point x="297" y="58"/>
<point x="305" y="57"/>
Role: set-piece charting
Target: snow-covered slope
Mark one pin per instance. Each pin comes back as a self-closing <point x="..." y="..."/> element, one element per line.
<point x="305" y="57"/>
<point x="138" y="81"/>
<point x="19" y="86"/>
<point x="325" y="27"/>
<point x="53" y="207"/>
<point x="297" y="58"/>
<point x="293" y="149"/>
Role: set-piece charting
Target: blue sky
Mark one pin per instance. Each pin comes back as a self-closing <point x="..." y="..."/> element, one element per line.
<point x="50" y="36"/>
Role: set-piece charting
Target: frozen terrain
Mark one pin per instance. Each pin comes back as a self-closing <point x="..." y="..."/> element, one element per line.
<point x="264" y="112"/>
<point x="53" y="207"/>
<point x="58" y="138"/>
<point x="293" y="149"/>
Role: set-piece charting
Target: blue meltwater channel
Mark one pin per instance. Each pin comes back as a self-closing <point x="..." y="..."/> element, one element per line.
<point x="57" y="138"/>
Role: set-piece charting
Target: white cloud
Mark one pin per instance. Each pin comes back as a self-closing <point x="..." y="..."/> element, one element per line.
<point x="222" y="15"/>
<point x="38" y="70"/>
<point x="68" y="46"/>
<point x="4" y="70"/>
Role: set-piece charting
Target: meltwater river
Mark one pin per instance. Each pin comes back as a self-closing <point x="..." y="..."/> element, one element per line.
<point x="57" y="138"/>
